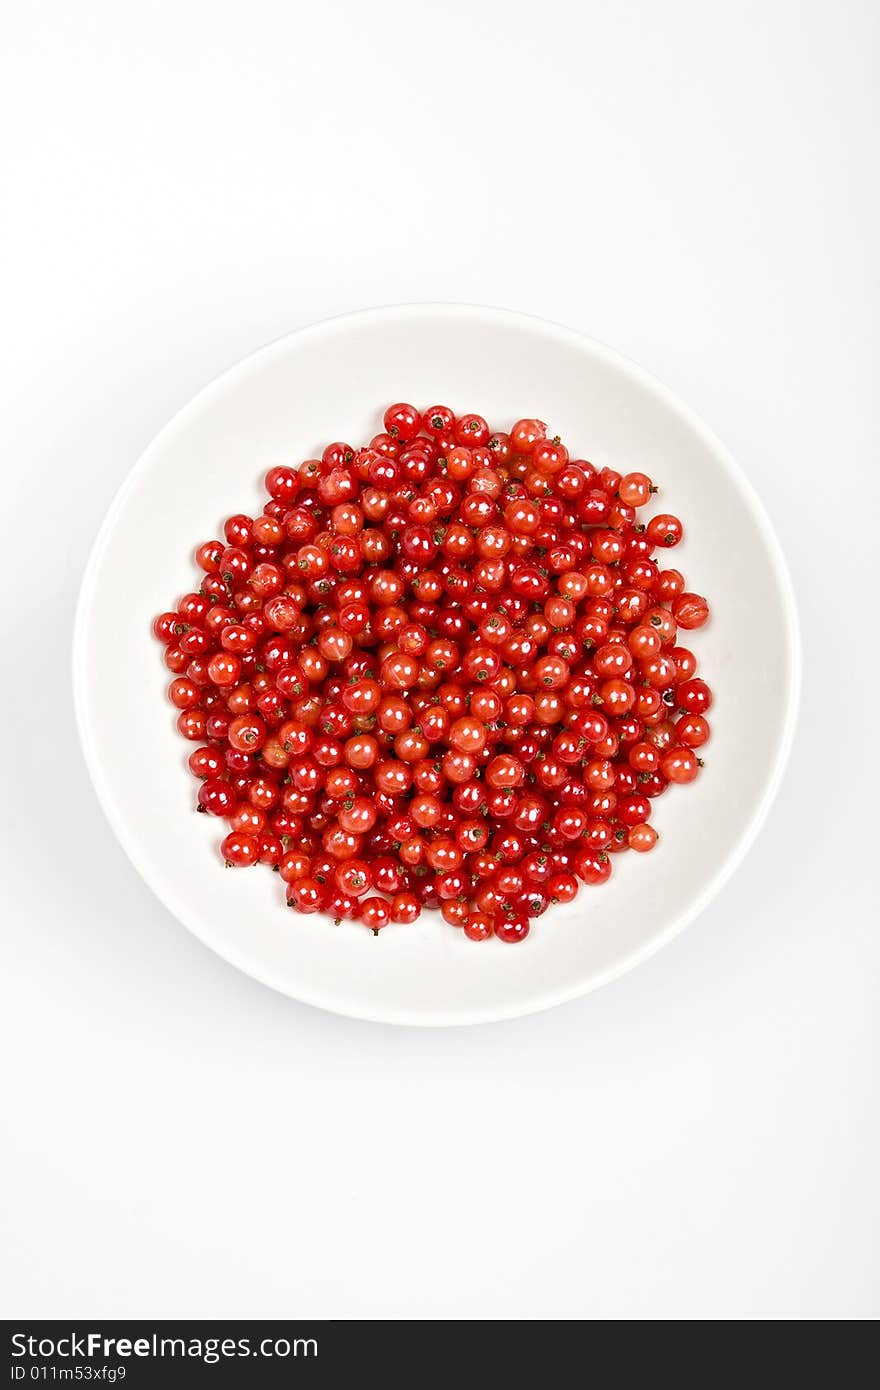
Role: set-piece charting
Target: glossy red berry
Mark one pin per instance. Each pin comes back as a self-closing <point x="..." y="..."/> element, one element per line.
<point x="690" y="610"/>
<point x="511" y="926"/>
<point x="402" y="422"/>
<point x="240" y="849"/>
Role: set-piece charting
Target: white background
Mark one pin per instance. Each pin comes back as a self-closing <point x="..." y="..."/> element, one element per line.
<point x="694" y="184"/>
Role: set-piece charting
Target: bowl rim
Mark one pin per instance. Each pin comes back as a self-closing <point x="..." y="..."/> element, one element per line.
<point x="217" y="386"/>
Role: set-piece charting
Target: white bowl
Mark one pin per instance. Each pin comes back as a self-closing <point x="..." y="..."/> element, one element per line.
<point x="332" y="381"/>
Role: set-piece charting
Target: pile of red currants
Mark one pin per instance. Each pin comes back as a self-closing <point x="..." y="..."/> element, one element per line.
<point x="439" y="671"/>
